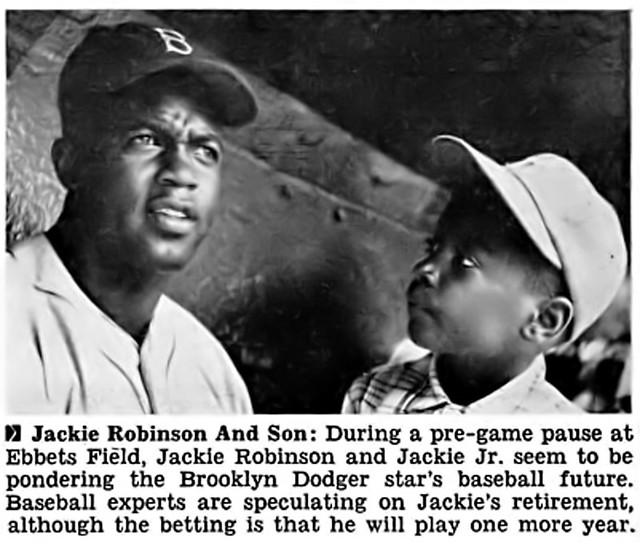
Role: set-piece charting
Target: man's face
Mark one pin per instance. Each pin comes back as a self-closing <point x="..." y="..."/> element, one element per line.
<point x="468" y="295"/>
<point x="150" y="180"/>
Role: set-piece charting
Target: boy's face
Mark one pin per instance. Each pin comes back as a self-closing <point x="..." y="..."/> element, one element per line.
<point x="468" y="295"/>
<point x="150" y="181"/>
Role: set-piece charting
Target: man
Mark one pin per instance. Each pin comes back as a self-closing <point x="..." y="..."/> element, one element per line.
<point x="89" y="329"/>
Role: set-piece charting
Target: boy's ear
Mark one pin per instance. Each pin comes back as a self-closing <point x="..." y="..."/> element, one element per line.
<point x="64" y="156"/>
<point x="550" y="321"/>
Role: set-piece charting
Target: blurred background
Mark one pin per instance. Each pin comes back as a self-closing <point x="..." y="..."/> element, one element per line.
<point x="327" y="199"/>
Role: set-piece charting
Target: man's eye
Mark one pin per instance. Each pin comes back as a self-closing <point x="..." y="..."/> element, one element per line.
<point x="145" y="140"/>
<point x="209" y="153"/>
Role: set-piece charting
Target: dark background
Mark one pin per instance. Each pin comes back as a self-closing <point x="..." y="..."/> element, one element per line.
<point x="513" y="82"/>
<point x="327" y="196"/>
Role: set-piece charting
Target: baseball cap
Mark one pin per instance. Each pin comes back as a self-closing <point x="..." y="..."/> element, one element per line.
<point x="571" y="224"/>
<point x="110" y="58"/>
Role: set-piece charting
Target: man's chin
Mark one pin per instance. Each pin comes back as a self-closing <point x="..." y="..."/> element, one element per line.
<point x="171" y="257"/>
<point x="171" y="266"/>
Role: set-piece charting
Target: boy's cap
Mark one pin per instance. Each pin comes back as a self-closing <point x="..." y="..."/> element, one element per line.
<point x="572" y="225"/>
<point x="111" y="58"/>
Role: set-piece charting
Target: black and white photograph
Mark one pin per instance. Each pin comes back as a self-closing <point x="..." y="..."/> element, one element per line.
<point x="318" y="212"/>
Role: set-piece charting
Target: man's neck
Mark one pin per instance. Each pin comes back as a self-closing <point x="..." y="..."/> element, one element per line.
<point x="127" y="295"/>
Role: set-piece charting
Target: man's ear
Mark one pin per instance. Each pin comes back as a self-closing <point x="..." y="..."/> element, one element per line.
<point x="65" y="156"/>
<point x="550" y="321"/>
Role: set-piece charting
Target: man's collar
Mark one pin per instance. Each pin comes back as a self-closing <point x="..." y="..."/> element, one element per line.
<point x="53" y="278"/>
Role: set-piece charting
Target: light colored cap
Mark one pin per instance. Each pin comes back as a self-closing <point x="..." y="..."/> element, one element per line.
<point x="572" y="225"/>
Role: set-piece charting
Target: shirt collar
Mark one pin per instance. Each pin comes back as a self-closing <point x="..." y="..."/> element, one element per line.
<point x="53" y="277"/>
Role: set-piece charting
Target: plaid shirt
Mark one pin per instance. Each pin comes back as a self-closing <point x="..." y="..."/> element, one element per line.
<point x="413" y="388"/>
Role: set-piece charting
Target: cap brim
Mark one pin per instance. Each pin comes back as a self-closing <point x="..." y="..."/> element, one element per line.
<point x="514" y="193"/>
<point x="232" y="100"/>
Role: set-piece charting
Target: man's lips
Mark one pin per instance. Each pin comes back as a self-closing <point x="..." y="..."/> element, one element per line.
<point x="172" y="216"/>
<point x="168" y="211"/>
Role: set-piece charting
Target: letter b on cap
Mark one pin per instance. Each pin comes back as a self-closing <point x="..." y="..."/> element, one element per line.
<point x="174" y="41"/>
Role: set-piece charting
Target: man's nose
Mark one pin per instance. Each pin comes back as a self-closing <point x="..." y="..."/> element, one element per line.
<point x="177" y="168"/>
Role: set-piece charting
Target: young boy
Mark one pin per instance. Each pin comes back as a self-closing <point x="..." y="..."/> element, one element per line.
<point x="525" y="257"/>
